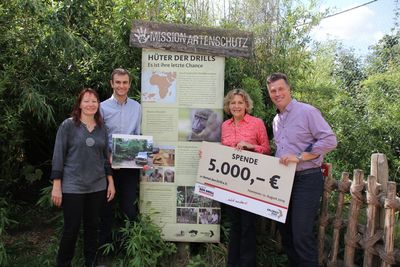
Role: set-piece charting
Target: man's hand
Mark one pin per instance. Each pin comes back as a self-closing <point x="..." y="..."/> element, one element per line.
<point x="286" y="159"/>
<point x="305" y="156"/>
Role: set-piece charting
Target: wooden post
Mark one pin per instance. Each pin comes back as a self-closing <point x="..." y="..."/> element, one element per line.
<point x="183" y="253"/>
<point x="343" y="187"/>
<point x="380" y="169"/>
<point x="352" y="236"/>
<point x="324" y="217"/>
<point x="389" y="225"/>
<point x="371" y="237"/>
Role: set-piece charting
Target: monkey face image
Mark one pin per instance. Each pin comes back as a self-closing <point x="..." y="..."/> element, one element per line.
<point x="200" y="119"/>
<point x="206" y="126"/>
<point x="169" y="176"/>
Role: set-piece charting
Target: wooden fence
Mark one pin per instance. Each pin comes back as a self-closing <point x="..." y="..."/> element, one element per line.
<point x="360" y="215"/>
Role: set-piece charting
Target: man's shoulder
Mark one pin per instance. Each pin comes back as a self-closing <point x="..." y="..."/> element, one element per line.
<point x="132" y="102"/>
<point x="108" y="101"/>
<point x="305" y="107"/>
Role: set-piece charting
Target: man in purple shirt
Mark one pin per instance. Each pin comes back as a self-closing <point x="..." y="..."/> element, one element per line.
<point x="301" y="136"/>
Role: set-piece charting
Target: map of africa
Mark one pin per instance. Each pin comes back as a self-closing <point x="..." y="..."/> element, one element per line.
<point x="159" y="87"/>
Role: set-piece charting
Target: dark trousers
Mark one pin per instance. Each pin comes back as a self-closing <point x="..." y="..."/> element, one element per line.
<point x="126" y="185"/>
<point x="242" y="238"/>
<point x="77" y="208"/>
<point x="298" y="237"/>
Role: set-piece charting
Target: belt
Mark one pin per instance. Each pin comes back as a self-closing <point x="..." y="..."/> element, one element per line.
<point x="308" y="171"/>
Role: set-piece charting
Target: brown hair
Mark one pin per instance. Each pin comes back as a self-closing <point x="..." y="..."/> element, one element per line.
<point x="76" y="110"/>
<point x="120" y="71"/>
<point x="246" y="98"/>
<point x="277" y="76"/>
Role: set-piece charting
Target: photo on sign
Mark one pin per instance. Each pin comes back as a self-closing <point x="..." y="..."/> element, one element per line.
<point x="169" y="175"/>
<point x="180" y="196"/>
<point x="200" y="124"/>
<point x="131" y="151"/>
<point x="152" y="175"/>
<point x="185" y="197"/>
<point x="208" y="202"/>
<point x="186" y="215"/>
<point x="164" y="156"/>
<point x="158" y="175"/>
<point x="209" y="216"/>
<point x="159" y="87"/>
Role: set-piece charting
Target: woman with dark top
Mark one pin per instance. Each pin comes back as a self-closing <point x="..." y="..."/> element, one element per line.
<point x="242" y="131"/>
<point x="80" y="171"/>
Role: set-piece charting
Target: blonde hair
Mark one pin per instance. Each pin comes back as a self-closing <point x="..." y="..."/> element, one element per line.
<point x="229" y="96"/>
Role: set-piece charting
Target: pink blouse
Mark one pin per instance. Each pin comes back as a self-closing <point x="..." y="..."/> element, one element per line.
<point x="250" y="129"/>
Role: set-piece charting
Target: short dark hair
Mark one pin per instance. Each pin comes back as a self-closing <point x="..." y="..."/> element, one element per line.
<point x="277" y="76"/>
<point x="120" y="71"/>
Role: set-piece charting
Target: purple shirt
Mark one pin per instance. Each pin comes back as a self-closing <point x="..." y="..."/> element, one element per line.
<point x="301" y="127"/>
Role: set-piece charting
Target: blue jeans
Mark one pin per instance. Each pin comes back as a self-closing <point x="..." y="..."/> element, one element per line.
<point x="242" y="238"/>
<point x="77" y="208"/>
<point x="126" y="187"/>
<point x="297" y="233"/>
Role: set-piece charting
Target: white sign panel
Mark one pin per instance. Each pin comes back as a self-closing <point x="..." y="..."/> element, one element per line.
<point x="247" y="180"/>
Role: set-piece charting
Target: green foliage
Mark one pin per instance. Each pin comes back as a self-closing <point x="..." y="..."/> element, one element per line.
<point x="210" y="255"/>
<point x="142" y="244"/>
<point x="382" y="114"/>
<point x="4" y="221"/>
<point x="45" y="197"/>
<point x="48" y="52"/>
<point x="253" y="88"/>
<point x="23" y="253"/>
<point x="385" y="54"/>
<point x="267" y="254"/>
<point x="197" y="261"/>
<point x="283" y="41"/>
<point x="32" y="241"/>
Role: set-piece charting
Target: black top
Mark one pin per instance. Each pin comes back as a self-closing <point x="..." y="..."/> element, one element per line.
<point x="80" y="158"/>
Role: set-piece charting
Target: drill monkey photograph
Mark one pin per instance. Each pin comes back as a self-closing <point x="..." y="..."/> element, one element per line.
<point x="205" y="125"/>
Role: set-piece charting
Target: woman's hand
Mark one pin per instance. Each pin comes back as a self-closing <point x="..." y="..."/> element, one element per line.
<point x="56" y="193"/>
<point x="110" y="188"/>
<point x="242" y="145"/>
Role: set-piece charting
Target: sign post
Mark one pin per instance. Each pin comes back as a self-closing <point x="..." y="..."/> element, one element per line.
<point x="182" y="91"/>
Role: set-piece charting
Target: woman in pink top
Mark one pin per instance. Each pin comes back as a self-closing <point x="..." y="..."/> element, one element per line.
<point x="242" y="131"/>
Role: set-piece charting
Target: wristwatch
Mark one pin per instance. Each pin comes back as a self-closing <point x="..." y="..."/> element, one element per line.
<point x="299" y="156"/>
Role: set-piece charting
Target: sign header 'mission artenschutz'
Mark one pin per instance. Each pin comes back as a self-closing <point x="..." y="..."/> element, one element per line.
<point x="185" y="38"/>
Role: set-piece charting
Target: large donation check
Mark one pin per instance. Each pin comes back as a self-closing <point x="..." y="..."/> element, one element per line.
<point x="246" y="180"/>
